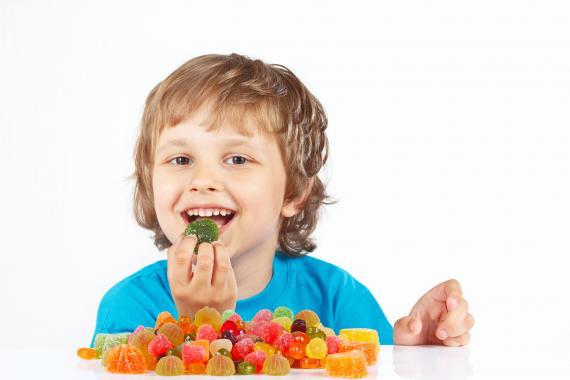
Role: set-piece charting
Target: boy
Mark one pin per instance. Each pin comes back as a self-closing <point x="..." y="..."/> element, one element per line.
<point x="241" y="142"/>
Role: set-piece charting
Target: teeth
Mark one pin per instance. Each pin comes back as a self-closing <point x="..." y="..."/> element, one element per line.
<point x="208" y="212"/>
<point x="216" y="212"/>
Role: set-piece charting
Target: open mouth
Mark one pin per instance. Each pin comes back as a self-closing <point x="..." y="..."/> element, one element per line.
<point x="220" y="220"/>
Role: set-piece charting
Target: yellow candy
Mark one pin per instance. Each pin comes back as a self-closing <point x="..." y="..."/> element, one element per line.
<point x="316" y="349"/>
<point x="265" y="347"/>
<point x="346" y="364"/>
<point x="285" y="322"/>
<point x="361" y="335"/>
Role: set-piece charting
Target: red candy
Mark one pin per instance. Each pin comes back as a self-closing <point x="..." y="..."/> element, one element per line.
<point x="159" y="346"/>
<point x="270" y="331"/>
<point x="242" y="348"/>
<point x="231" y="327"/>
<point x="284" y="342"/>
<point x="333" y="342"/>
<point x="193" y="354"/>
<point x="257" y="358"/>
<point x="207" y="332"/>
<point x="263" y="315"/>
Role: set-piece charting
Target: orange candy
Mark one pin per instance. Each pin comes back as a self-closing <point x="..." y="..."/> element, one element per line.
<point x="347" y="364"/>
<point x="87" y="353"/>
<point x="309" y="363"/>
<point x="163" y="318"/>
<point x="296" y="351"/>
<point x="196" y="368"/>
<point x="126" y="359"/>
<point x="185" y="323"/>
<point x="369" y="349"/>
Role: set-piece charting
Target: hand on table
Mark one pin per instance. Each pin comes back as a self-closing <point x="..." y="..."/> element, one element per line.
<point x="439" y="317"/>
<point x="210" y="283"/>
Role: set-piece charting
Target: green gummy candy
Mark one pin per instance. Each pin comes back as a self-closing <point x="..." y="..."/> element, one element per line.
<point x="283" y="311"/>
<point x="226" y="314"/>
<point x="104" y="342"/>
<point x="204" y="229"/>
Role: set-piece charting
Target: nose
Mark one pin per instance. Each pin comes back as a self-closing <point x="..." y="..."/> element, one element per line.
<point x="205" y="179"/>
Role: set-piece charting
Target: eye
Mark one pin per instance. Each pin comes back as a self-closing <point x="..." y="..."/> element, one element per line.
<point x="237" y="160"/>
<point x="180" y="160"/>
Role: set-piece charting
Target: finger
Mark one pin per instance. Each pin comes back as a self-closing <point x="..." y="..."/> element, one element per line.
<point x="453" y="294"/>
<point x="170" y="256"/>
<point x="202" y="274"/>
<point x="407" y="331"/>
<point x="179" y="260"/>
<point x="461" y="340"/>
<point x="453" y="324"/>
<point x="222" y="266"/>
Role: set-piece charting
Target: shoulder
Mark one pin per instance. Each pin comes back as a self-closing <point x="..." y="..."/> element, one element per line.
<point x="151" y="273"/>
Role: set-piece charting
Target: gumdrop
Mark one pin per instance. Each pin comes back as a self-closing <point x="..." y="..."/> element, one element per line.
<point x="207" y="332"/>
<point x="220" y="365"/>
<point x="284" y="322"/>
<point x="125" y="359"/>
<point x="242" y="348"/>
<point x="236" y="318"/>
<point x="276" y="365"/>
<point x="208" y="315"/>
<point x="104" y="342"/>
<point x="163" y="318"/>
<point x="229" y="326"/>
<point x="170" y="366"/>
<point x="159" y="346"/>
<point x="333" y="343"/>
<point x="270" y="331"/>
<point x="257" y="358"/>
<point x="193" y="354"/>
<point x="283" y="342"/>
<point x="246" y="368"/>
<point x="283" y="311"/>
<point x="316" y="349"/>
<point x="203" y="343"/>
<point x="87" y="353"/>
<point x="218" y="344"/>
<point x="263" y="315"/>
<point x="226" y="314"/>
<point x="347" y="364"/>
<point x="173" y="332"/>
<point x="310" y="317"/>
<point x="299" y="325"/>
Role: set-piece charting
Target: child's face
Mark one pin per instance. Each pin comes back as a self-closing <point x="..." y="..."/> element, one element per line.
<point x="220" y="169"/>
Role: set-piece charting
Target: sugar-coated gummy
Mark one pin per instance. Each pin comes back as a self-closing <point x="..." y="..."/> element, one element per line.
<point x="257" y="358"/>
<point x="220" y="365"/>
<point x="170" y="366"/>
<point x="263" y="315"/>
<point x="360" y="335"/>
<point x="206" y="230"/>
<point x="333" y="343"/>
<point x="206" y="332"/>
<point x="347" y="364"/>
<point x="270" y="331"/>
<point x="104" y="342"/>
<point x="226" y="314"/>
<point x="159" y="346"/>
<point x="193" y="353"/>
<point x="369" y="349"/>
<point x="125" y="359"/>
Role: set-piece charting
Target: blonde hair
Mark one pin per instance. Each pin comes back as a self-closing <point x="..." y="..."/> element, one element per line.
<point x="239" y="87"/>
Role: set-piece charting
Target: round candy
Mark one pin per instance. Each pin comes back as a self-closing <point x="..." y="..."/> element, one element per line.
<point x="309" y="316"/>
<point x="206" y="230"/>
<point x="226" y="314"/>
<point x="208" y="315"/>
<point x="316" y="349"/>
<point x="315" y="332"/>
<point x="299" y="325"/>
<point x="246" y="368"/>
<point x="125" y="359"/>
<point x="283" y="311"/>
<point x="218" y="344"/>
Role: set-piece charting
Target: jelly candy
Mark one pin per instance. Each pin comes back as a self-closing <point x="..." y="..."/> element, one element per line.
<point x="202" y="343"/>
<point x="220" y="365"/>
<point x="368" y="348"/>
<point x="236" y="318"/>
<point x="300" y="337"/>
<point x="185" y="323"/>
<point x="226" y="314"/>
<point x="299" y="325"/>
<point x="360" y="335"/>
<point x="347" y="364"/>
<point x="315" y="332"/>
<point x="316" y="349"/>
<point x="104" y="342"/>
<point x="270" y="331"/>
<point x="87" y="353"/>
<point x="218" y="344"/>
<point x="257" y="358"/>
<point x="246" y="368"/>
<point x="223" y="351"/>
<point x="284" y="322"/>
<point x="208" y="315"/>
<point x="333" y="343"/>
<point x="141" y="340"/>
<point x="159" y="346"/>
<point x="263" y="315"/>
<point x="283" y="342"/>
<point x="173" y="332"/>
<point x="163" y="318"/>
<point x="326" y="330"/>
<point x="206" y="230"/>
<point x="230" y="326"/>
<point x="207" y="332"/>
<point x="309" y="363"/>
<point x="125" y="359"/>
<point x="198" y="368"/>
<point x="276" y="365"/>
<point x="193" y="353"/>
<point x="170" y="366"/>
<point x="242" y="348"/>
<point x="310" y="317"/>
<point x="283" y="311"/>
<point x="229" y="336"/>
<point x="265" y="347"/>
<point x="296" y="351"/>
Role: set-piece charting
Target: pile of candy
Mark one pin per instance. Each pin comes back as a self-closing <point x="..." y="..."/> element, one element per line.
<point x="223" y="344"/>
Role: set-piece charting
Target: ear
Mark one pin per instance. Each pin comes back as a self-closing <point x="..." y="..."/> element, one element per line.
<point x="294" y="206"/>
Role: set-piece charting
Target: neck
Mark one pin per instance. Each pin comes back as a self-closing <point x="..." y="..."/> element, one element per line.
<point x="253" y="271"/>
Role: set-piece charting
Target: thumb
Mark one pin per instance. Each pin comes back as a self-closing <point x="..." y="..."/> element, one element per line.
<point x="407" y="331"/>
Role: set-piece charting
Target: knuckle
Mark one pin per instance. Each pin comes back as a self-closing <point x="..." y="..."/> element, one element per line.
<point x="224" y="268"/>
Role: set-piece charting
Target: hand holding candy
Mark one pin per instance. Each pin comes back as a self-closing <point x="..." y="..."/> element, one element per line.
<point x="211" y="282"/>
<point x="439" y="317"/>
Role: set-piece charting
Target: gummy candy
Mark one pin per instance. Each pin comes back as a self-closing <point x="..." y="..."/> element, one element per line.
<point x="299" y="325"/>
<point x="242" y="348"/>
<point x="230" y="326"/>
<point x="141" y="341"/>
<point x="220" y="365"/>
<point x="257" y="358"/>
<point x="205" y="344"/>
<point x="283" y="311"/>
<point x="296" y="351"/>
<point x="300" y="337"/>
<point x="193" y="353"/>
<point x="229" y="336"/>
<point x="226" y="314"/>
<point x="198" y="368"/>
<point x="333" y="343"/>
<point x="87" y="353"/>
<point x="185" y="323"/>
<point x="316" y="349"/>
<point x="125" y="359"/>
<point x="360" y="335"/>
<point x="104" y="342"/>
<point x="283" y="342"/>
<point x="284" y="322"/>
<point x="347" y="364"/>
<point x="208" y="315"/>
<point x="163" y="318"/>
<point x="263" y="315"/>
<point x="235" y="317"/>
<point x="159" y="346"/>
<point x="368" y="348"/>
<point x="276" y="365"/>
<point x="245" y="368"/>
<point x="223" y="351"/>
<point x="218" y="344"/>
<point x="173" y="332"/>
<point x="310" y="317"/>
<point x="206" y="332"/>
<point x="315" y="332"/>
<point x="265" y="347"/>
<point x="270" y="331"/>
<point x="309" y="363"/>
<point x="206" y="230"/>
<point x="170" y="366"/>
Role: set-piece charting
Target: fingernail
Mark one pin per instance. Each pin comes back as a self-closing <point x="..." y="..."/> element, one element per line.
<point x="442" y="334"/>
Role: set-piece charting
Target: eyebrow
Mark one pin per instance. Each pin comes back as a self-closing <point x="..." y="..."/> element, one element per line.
<point x="181" y="142"/>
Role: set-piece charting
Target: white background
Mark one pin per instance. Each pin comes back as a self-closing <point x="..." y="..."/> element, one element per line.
<point x="449" y="125"/>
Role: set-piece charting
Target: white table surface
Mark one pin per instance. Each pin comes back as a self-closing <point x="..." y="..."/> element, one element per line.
<point x="395" y="362"/>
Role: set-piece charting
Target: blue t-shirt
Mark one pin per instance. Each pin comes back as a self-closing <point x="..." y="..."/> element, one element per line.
<point x="297" y="282"/>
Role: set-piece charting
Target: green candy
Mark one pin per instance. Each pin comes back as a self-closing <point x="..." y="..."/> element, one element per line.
<point x="246" y="368"/>
<point x="283" y="311"/>
<point x="315" y="332"/>
<point x="103" y="342"/>
<point x="226" y="314"/>
<point x="204" y="229"/>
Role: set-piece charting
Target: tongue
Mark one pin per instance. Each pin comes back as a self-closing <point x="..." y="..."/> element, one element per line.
<point x="218" y="219"/>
